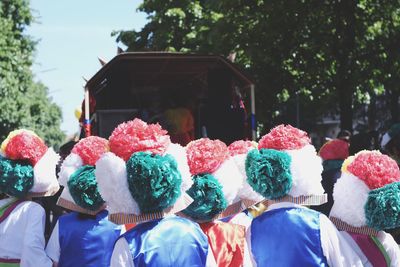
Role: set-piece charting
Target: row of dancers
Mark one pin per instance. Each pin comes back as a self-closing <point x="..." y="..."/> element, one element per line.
<point x="137" y="199"/>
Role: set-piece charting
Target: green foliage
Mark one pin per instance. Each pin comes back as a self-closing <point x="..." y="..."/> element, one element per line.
<point x="23" y="102"/>
<point x="173" y="26"/>
<point x="45" y="116"/>
<point x="332" y="54"/>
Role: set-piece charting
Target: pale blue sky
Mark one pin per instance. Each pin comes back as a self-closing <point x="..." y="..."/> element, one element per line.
<point x="72" y="34"/>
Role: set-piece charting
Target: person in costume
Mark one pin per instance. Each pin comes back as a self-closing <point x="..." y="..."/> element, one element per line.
<point x="84" y="237"/>
<point x="367" y="201"/>
<point x="238" y="151"/>
<point x="286" y="170"/>
<point x="216" y="183"/>
<point x="53" y="211"/>
<point x="27" y="169"/>
<point x="333" y="153"/>
<point x="390" y="144"/>
<point x="143" y="180"/>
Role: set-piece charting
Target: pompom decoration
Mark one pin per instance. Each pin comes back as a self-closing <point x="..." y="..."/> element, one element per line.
<point x="208" y="198"/>
<point x="16" y="178"/>
<point x="25" y="146"/>
<point x="90" y="149"/>
<point x="346" y="163"/>
<point x="284" y="138"/>
<point x="374" y="168"/>
<point x="334" y="150"/>
<point x="134" y="136"/>
<point x="268" y="172"/>
<point x="230" y="178"/>
<point x="179" y="154"/>
<point x="205" y="155"/>
<point x="305" y="169"/>
<point x="44" y="173"/>
<point x="83" y="188"/>
<point x="11" y="135"/>
<point x="112" y="180"/>
<point x="382" y="209"/>
<point x="350" y="195"/>
<point x="246" y="191"/>
<point x="154" y="181"/>
<point x="241" y="147"/>
<point x="70" y="164"/>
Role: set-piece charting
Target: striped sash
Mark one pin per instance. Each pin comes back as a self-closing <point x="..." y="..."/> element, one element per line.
<point x="7" y="209"/>
<point x="9" y="262"/>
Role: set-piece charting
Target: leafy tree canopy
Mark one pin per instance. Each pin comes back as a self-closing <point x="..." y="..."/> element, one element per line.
<point x="334" y="55"/>
<point x="23" y="102"/>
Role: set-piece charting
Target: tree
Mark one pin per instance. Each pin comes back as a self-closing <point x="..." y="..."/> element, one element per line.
<point x="45" y="116"/>
<point x="173" y="26"/>
<point x="23" y="102"/>
<point x="383" y="36"/>
<point x="331" y="55"/>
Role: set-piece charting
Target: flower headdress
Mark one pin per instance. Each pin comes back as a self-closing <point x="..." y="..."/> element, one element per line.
<point x="335" y="149"/>
<point x="144" y="176"/>
<point x="368" y="192"/>
<point x="286" y="167"/>
<point x="216" y="179"/>
<point x="77" y="175"/>
<point x="27" y="166"/>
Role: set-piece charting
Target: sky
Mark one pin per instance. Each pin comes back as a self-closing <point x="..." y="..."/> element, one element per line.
<point x="71" y="35"/>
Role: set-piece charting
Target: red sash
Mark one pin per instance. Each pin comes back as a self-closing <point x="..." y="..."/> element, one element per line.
<point x="371" y="248"/>
<point x="226" y="241"/>
<point x="10" y="261"/>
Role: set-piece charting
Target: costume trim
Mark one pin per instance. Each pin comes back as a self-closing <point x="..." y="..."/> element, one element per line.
<point x="123" y="218"/>
<point x="312" y="200"/>
<point x="382" y="249"/>
<point x="343" y="226"/>
<point x="48" y="193"/>
<point x="72" y="206"/>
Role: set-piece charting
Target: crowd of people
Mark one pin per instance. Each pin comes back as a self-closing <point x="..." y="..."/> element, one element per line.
<point x="140" y="199"/>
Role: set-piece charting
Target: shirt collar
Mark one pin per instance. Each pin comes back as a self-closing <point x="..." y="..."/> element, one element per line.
<point x="281" y="205"/>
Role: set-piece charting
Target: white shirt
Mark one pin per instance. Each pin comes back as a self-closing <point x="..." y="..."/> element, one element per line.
<point x="22" y="234"/>
<point x="388" y="243"/>
<point x="53" y="245"/>
<point x="241" y="219"/>
<point x="335" y="248"/>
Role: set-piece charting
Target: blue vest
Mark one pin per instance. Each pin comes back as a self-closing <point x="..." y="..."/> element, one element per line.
<point x="86" y="241"/>
<point x="287" y="237"/>
<point x="172" y="241"/>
